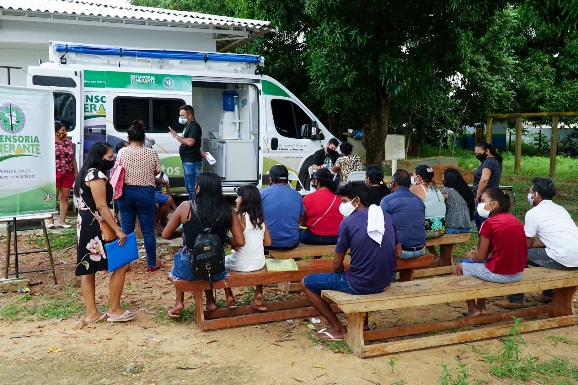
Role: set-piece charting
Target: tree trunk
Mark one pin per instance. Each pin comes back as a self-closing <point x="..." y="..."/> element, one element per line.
<point x="374" y="136"/>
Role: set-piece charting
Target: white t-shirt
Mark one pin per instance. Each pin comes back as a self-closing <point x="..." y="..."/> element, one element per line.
<point x="556" y="229"/>
<point x="250" y="257"/>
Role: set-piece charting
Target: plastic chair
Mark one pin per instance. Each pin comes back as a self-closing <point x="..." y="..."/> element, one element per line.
<point x="356" y="175"/>
<point x="294" y="182"/>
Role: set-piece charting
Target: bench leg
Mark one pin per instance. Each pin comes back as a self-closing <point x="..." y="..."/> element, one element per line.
<point x="446" y="255"/>
<point x="562" y="303"/>
<point x="199" y="311"/>
<point x="405" y="275"/>
<point x="354" y="335"/>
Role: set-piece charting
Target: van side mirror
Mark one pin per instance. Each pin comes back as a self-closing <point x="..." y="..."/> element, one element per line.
<point x="314" y="129"/>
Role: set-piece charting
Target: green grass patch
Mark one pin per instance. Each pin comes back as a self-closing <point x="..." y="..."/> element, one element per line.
<point x="43" y="307"/>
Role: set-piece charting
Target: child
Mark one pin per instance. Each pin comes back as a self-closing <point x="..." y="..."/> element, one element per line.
<point x="164" y="200"/>
<point x="250" y="257"/>
<point x="501" y="256"/>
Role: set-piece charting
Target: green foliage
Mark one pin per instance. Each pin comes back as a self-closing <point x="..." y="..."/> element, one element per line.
<point x="43" y="307"/>
<point x="461" y="375"/>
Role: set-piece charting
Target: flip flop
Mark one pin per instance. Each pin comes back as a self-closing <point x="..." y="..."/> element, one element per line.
<point x="125" y="317"/>
<point x="103" y="317"/>
<point x="257" y="307"/>
<point x="173" y="315"/>
<point x="323" y="334"/>
<point x="65" y="226"/>
<point x="51" y="226"/>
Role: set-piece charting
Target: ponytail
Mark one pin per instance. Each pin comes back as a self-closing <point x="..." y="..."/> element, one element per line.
<point x="488" y="146"/>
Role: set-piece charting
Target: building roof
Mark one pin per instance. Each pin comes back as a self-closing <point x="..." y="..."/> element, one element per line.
<point x="229" y="32"/>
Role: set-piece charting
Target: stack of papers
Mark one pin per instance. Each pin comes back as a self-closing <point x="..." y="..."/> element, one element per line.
<point x="281" y="264"/>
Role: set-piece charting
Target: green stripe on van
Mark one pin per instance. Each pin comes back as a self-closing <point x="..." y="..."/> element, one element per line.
<point x="273" y="89"/>
<point x="137" y="80"/>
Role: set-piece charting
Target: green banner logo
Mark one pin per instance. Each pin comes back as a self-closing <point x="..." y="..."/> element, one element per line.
<point x="12" y="119"/>
<point x="136" y="80"/>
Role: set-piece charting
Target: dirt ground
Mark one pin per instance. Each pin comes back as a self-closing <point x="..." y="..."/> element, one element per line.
<point x="154" y="349"/>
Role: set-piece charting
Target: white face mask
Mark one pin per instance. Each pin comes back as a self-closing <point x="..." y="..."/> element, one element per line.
<point x="482" y="212"/>
<point x="347" y="208"/>
<point x="413" y="180"/>
<point x="530" y="199"/>
<point x="183" y="120"/>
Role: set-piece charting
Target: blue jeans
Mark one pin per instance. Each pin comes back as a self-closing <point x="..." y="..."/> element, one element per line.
<point x="458" y="230"/>
<point x="182" y="270"/>
<point x="191" y="171"/>
<point x="412" y="254"/>
<point x="140" y="200"/>
<point x="332" y="281"/>
<point x="310" y="238"/>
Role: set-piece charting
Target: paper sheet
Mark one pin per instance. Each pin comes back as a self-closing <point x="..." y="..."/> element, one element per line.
<point x="281" y="264"/>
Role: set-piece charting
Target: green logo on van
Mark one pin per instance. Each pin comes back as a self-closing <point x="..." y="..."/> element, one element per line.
<point x="136" y="80"/>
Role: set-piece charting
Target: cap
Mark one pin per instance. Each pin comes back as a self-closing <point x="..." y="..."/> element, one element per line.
<point x="279" y="173"/>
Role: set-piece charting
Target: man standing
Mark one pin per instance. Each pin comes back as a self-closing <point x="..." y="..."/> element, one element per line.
<point x="325" y="157"/>
<point x="371" y="237"/>
<point x="551" y="237"/>
<point x="282" y="207"/>
<point x="408" y="214"/>
<point x="190" y="148"/>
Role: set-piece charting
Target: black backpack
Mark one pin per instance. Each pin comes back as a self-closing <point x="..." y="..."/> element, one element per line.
<point x="207" y="255"/>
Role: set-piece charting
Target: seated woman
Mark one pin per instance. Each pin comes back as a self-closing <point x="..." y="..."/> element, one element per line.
<point x="502" y="253"/>
<point x="212" y="211"/>
<point x="374" y="180"/>
<point x="460" y="209"/>
<point x="346" y="163"/>
<point x="435" y="207"/>
<point x="164" y="201"/>
<point x="322" y="216"/>
<point x="250" y="257"/>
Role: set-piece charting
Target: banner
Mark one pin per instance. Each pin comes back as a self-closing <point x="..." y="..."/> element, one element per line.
<point x="27" y="159"/>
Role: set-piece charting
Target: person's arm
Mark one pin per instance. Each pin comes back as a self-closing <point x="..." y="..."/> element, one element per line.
<point x="532" y="243"/>
<point x="182" y="140"/>
<point x="418" y="190"/>
<point x="338" y="262"/>
<point x="486" y="173"/>
<point x="398" y="250"/>
<point x="98" y="190"/>
<point x="74" y="166"/>
<point x="482" y="252"/>
<point x="238" y="239"/>
<point x="266" y="237"/>
<point x="176" y="220"/>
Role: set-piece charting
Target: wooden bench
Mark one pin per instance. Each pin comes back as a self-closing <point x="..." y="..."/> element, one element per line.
<point x="276" y="310"/>
<point x="446" y="257"/>
<point x="438" y="290"/>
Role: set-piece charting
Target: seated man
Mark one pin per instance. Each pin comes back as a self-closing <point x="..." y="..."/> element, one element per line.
<point x="164" y="201"/>
<point x="371" y="237"/>
<point x="408" y="214"/>
<point x="325" y="157"/>
<point x="282" y="207"/>
<point x="551" y="237"/>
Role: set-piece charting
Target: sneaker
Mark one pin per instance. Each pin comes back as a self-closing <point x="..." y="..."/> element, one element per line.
<point x="155" y="267"/>
<point x="543" y="298"/>
<point x="507" y="304"/>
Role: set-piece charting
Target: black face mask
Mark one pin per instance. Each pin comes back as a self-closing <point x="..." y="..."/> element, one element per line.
<point x="482" y="157"/>
<point x="106" y="164"/>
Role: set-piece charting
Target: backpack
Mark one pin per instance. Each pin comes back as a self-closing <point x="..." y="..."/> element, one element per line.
<point x="207" y="254"/>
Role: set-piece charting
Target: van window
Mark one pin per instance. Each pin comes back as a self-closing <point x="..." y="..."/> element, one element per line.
<point x="157" y="113"/>
<point x="289" y="118"/>
<point x="65" y="108"/>
<point x="55" y="81"/>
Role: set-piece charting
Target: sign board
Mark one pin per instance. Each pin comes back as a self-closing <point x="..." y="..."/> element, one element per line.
<point x="394" y="147"/>
<point x="27" y="159"/>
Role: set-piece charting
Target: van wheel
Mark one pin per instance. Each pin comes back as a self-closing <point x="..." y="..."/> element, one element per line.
<point x="304" y="175"/>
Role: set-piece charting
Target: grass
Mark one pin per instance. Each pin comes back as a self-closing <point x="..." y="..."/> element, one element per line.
<point x="43" y="307"/>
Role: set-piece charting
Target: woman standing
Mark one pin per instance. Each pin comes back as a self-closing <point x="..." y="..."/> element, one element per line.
<point x="141" y="164"/>
<point x="66" y="171"/>
<point x="435" y="207"/>
<point x="460" y="209"/>
<point x="209" y="209"/>
<point x="501" y="256"/>
<point x="487" y="175"/>
<point x="250" y="257"/>
<point x="94" y="197"/>
<point x="321" y="215"/>
<point x="374" y="180"/>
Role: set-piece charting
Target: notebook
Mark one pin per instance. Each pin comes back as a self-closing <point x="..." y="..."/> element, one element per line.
<point x="119" y="256"/>
<point x="281" y="264"/>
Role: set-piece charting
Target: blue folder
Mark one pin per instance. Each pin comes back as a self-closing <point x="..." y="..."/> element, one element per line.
<point x="119" y="256"/>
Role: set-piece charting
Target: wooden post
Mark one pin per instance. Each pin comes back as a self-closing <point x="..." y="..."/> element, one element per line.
<point x="518" y="144"/>
<point x="553" y="146"/>
<point x="489" y="123"/>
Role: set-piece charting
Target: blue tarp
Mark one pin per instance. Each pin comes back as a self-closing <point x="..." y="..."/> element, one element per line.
<point x="155" y="53"/>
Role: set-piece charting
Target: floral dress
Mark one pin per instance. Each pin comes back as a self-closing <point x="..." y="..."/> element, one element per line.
<point x="90" y="255"/>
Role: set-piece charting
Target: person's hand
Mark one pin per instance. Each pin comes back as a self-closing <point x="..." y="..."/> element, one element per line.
<point x="172" y="132"/>
<point x="323" y="166"/>
<point x="165" y="183"/>
<point x="121" y="237"/>
<point x="203" y="154"/>
<point x="471" y="255"/>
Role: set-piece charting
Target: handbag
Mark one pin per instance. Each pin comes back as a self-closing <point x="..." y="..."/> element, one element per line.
<point x="117" y="179"/>
<point x="119" y="256"/>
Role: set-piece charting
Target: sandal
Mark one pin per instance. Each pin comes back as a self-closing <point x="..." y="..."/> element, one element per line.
<point x="323" y="334"/>
<point x="125" y="317"/>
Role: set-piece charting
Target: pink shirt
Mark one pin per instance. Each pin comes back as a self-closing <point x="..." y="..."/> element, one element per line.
<point x="141" y="164"/>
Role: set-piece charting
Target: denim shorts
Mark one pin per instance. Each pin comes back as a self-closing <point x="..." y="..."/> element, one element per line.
<point x="182" y="270"/>
<point x="332" y="281"/>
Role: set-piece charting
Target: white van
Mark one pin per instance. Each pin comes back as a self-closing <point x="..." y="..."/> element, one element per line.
<point x="250" y="121"/>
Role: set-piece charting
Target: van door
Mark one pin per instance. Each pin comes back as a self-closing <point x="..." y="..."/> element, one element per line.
<point x="66" y="86"/>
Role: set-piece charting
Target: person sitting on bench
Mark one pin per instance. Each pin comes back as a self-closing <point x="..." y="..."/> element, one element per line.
<point x="502" y="253"/>
<point x="371" y="237"/>
<point x="557" y="237"/>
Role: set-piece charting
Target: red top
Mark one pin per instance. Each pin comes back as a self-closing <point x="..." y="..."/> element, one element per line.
<point x="508" y="252"/>
<point x="64" y="154"/>
<point x="316" y="204"/>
